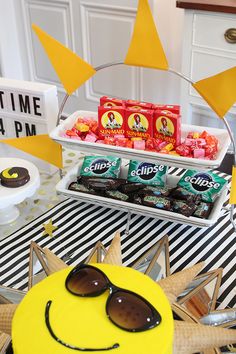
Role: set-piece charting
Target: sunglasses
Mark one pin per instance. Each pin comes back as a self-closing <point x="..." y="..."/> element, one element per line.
<point x="125" y="309"/>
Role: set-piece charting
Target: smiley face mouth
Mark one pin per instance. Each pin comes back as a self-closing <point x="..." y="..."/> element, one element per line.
<point x="67" y="345"/>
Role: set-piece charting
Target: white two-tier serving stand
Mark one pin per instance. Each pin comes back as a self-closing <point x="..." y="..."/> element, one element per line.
<point x="225" y="137"/>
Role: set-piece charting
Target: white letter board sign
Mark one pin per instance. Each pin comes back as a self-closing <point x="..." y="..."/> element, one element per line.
<point x="26" y="109"/>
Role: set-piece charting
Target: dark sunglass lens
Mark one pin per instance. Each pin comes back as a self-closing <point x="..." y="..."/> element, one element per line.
<point x="85" y="281"/>
<point x="130" y="312"/>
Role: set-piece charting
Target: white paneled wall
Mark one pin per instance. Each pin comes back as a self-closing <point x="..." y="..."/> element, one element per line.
<point x="206" y="53"/>
<point x="169" y="20"/>
<point x="105" y="34"/>
<point x="10" y="53"/>
<point x="99" y="31"/>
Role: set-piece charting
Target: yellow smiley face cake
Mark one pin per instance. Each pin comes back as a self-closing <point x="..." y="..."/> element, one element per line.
<point x="99" y="307"/>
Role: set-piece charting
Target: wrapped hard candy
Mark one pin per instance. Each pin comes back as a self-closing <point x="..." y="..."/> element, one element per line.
<point x="183" y="150"/>
<point x="139" y="144"/>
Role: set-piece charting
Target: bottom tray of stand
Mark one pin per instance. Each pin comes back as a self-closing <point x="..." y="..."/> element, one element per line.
<point x="71" y="176"/>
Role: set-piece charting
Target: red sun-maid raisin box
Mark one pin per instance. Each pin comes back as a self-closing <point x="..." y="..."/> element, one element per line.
<point x="168" y="108"/>
<point x="110" y="101"/>
<point x="139" y="123"/>
<point x="111" y="121"/>
<point x="137" y="104"/>
<point x="167" y="127"/>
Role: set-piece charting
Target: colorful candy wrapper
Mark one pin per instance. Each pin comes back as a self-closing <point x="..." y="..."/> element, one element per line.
<point x="183" y="150"/>
<point x="157" y="202"/>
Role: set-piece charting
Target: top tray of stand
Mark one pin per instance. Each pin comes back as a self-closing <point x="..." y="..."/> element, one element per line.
<point x="132" y="154"/>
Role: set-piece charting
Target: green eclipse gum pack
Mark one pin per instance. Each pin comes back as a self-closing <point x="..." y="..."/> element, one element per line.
<point x="208" y="184"/>
<point x="101" y="166"/>
<point x="147" y="173"/>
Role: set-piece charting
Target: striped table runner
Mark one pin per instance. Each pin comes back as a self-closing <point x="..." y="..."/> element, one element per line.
<point x="81" y="225"/>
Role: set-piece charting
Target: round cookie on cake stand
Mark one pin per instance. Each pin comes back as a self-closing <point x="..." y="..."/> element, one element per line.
<point x="10" y="197"/>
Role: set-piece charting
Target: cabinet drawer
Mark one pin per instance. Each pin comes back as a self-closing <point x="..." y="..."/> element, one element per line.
<point x="209" y="30"/>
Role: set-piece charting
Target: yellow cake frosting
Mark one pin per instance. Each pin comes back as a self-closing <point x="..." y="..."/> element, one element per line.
<point x="82" y="322"/>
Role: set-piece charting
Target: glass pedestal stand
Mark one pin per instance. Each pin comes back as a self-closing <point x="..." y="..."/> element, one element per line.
<point x="9" y="214"/>
<point x="13" y="196"/>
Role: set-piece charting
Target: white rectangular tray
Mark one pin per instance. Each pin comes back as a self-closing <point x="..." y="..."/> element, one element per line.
<point x="132" y="154"/>
<point x="71" y="176"/>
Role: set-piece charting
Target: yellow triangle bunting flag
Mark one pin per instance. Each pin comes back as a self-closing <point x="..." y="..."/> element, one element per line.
<point x="232" y="199"/>
<point x="70" y="68"/>
<point x="40" y="146"/>
<point x="146" y="48"/>
<point x="219" y="91"/>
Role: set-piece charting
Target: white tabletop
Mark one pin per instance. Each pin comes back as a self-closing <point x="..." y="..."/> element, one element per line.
<point x="44" y="198"/>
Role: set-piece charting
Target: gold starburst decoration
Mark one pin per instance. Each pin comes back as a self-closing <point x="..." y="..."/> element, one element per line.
<point x="49" y="228"/>
<point x="192" y="297"/>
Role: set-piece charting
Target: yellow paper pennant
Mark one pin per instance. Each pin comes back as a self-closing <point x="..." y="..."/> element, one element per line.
<point x="70" y="68"/>
<point x="146" y="48"/>
<point x="40" y="146"/>
<point x="232" y="199"/>
<point x="219" y="91"/>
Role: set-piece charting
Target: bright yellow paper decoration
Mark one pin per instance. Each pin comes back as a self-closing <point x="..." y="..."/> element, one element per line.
<point x="219" y="91"/>
<point x="40" y="146"/>
<point x="49" y="228"/>
<point x="146" y="48"/>
<point x="70" y="68"/>
<point x="232" y="199"/>
<point x="82" y="321"/>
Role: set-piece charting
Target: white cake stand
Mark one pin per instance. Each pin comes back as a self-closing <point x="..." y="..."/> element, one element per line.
<point x="10" y="197"/>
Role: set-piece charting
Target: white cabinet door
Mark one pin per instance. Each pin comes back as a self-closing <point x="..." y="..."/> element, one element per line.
<point x="100" y="32"/>
<point x="206" y="53"/>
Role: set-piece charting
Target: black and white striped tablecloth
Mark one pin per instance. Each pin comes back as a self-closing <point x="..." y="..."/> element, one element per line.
<point x="81" y="225"/>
